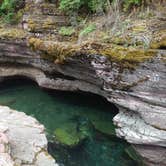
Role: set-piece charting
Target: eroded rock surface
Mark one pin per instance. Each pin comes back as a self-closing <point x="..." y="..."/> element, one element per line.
<point x="5" y="158"/>
<point x="22" y="140"/>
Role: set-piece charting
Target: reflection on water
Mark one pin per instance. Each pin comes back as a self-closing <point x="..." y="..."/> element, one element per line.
<point x="79" y="126"/>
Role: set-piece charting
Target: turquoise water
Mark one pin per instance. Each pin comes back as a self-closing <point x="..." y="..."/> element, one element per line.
<point x="79" y="126"/>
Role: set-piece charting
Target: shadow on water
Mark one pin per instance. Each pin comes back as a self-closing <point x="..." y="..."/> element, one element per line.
<point x="79" y="126"/>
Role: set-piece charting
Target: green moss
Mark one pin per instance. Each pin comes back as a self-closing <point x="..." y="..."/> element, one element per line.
<point x="66" y="31"/>
<point x="36" y="44"/>
<point x="128" y="57"/>
<point x="32" y="26"/>
<point x="104" y="127"/>
<point x="159" y="40"/>
<point x="90" y="28"/>
<point x="12" y="33"/>
<point x="54" y="51"/>
<point x="68" y="135"/>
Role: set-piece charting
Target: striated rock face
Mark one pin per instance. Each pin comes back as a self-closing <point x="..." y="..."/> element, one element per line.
<point x="139" y="93"/>
<point x="22" y="140"/>
<point x="153" y="155"/>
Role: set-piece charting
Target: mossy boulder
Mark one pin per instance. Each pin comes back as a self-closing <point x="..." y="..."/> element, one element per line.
<point x="12" y="33"/>
<point x="127" y="57"/>
<point x="104" y="127"/>
<point x="69" y="135"/>
<point x="98" y="121"/>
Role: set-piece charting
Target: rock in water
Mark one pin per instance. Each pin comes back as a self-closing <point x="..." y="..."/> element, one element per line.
<point x="69" y="134"/>
<point x="22" y="140"/>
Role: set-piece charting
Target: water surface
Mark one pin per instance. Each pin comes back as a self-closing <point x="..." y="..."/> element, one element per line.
<point x="91" y="114"/>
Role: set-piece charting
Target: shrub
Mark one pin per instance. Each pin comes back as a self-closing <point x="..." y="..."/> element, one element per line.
<point x="70" y="5"/>
<point x="76" y="5"/>
<point x="95" y="5"/>
<point x="8" y="10"/>
<point x="130" y="3"/>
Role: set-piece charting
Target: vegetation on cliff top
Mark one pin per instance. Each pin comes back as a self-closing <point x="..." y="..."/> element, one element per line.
<point x="9" y="10"/>
<point x="124" y="41"/>
<point x="12" y="33"/>
<point x="127" y="57"/>
<point x="94" y="5"/>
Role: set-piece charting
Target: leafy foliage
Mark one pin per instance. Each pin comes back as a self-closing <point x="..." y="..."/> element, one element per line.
<point x="95" y="5"/>
<point x="8" y="10"/>
<point x="75" y="5"/>
<point x="129" y="3"/>
<point x="70" y="5"/>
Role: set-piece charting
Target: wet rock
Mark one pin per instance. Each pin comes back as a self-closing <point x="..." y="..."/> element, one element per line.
<point x="152" y="155"/>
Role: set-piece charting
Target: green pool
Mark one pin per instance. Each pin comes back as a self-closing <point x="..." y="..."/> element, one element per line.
<point x="78" y="126"/>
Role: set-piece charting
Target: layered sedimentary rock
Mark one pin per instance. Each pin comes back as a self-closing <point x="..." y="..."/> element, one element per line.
<point x="133" y="80"/>
<point x="142" y="112"/>
<point x="22" y="140"/>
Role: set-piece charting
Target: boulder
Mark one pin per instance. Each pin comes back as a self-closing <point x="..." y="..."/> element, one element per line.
<point x="22" y="140"/>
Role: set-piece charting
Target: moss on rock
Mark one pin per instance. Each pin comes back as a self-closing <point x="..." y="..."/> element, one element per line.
<point x="54" y="51"/>
<point x="127" y="57"/>
<point x="104" y="127"/>
<point x="159" y="40"/>
<point x="12" y="33"/>
<point x="69" y="135"/>
<point x="36" y="44"/>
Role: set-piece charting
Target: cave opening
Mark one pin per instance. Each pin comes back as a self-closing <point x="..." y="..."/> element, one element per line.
<point x="79" y="125"/>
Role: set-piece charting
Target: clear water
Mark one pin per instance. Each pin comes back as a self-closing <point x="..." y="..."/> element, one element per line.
<point x="60" y="109"/>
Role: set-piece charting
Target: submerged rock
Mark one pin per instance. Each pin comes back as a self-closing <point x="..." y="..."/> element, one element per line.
<point x="70" y="135"/>
<point x="22" y="140"/>
<point x="74" y="133"/>
<point x="104" y="127"/>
